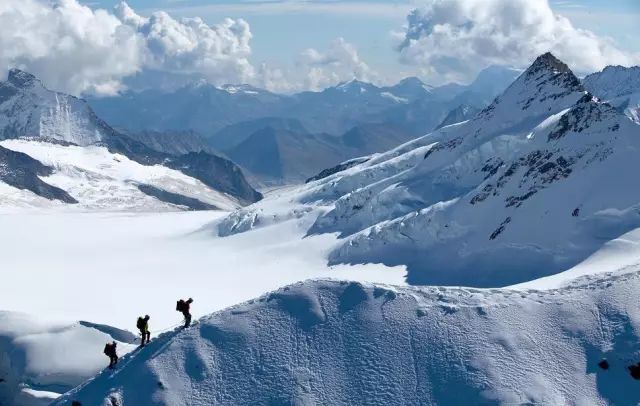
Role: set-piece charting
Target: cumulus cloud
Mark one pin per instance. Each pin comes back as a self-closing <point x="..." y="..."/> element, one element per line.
<point x="220" y="52"/>
<point x="78" y="50"/>
<point x="317" y="69"/>
<point x="340" y="62"/>
<point x="455" y="39"/>
<point x="68" y="45"/>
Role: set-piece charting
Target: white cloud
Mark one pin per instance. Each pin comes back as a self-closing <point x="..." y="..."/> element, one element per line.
<point x="455" y="39"/>
<point x="79" y="50"/>
<point x="68" y="45"/>
<point x="220" y="52"/>
<point x="340" y="62"/>
<point x="75" y="49"/>
<point x="317" y="69"/>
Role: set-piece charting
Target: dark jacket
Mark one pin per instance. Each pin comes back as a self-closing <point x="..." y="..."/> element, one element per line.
<point x="110" y="350"/>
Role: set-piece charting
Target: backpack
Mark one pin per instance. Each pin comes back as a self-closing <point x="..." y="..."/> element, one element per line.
<point x="140" y="323"/>
<point x="109" y="349"/>
<point x="180" y="304"/>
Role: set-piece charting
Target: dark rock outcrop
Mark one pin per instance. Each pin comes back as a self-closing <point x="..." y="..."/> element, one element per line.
<point x="23" y="172"/>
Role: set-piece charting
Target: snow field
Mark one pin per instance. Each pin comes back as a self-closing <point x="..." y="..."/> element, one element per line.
<point x="100" y="180"/>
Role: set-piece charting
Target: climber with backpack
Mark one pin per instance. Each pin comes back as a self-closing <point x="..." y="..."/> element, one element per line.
<point x="110" y="351"/>
<point x="184" y="307"/>
<point x="143" y="326"/>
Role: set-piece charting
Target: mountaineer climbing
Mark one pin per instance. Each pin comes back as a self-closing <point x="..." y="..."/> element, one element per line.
<point x="143" y="326"/>
<point x="110" y="351"/>
<point x="184" y="307"/>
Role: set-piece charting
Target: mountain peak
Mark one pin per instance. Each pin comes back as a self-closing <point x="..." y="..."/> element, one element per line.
<point x="548" y="61"/>
<point x="354" y="85"/>
<point x="548" y="70"/>
<point x="411" y="81"/>
<point x="547" y="85"/>
<point x="21" y="78"/>
<point x="411" y="84"/>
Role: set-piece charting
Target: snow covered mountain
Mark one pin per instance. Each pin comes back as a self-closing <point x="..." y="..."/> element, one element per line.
<point x="56" y="148"/>
<point x="28" y="109"/>
<point x="328" y="342"/>
<point x="529" y="187"/>
<point x="619" y="86"/>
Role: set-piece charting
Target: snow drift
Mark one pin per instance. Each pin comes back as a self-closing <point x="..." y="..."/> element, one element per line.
<point x="325" y="342"/>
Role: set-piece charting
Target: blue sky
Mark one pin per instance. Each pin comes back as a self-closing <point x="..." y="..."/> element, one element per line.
<point x="282" y="29"/>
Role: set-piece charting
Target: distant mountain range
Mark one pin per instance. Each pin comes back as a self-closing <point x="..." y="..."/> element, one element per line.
<point x="207" y="109"/>
<point x="339" y="123"/>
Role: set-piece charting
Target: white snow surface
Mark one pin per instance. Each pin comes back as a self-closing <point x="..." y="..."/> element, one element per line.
<point x="533" y="185"/>
<point x="111" y="267"/>
<point x="18" y="199"/>
<point x="620" y="255"/>
<point x="31" y="110"/>
<point x="37" y="354"/>
<point x="329" y="342"/>
<point x="101" y="180"/>
<point x="618" y="85"/>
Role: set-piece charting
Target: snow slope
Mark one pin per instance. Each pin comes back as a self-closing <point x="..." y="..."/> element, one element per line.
<point x="23" y="199"/>
<point x="325" y="342"/>
<point x="620" y="255"/>
<point x="521" y="191"/>
<point x="618" y="85"/>
<point x="101" y="180"/>
<point x="107" y="267"/>
<point x="38" y="357"/>
<point x="27" y="108"/>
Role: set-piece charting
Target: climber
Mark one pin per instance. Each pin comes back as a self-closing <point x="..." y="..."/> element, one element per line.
<point x="143" y="326"/>
<point x="110" y="351"/>
<point x="184" y="307"/>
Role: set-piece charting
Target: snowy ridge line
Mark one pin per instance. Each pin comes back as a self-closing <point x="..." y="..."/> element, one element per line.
<point x="336" y="342"/>
<point x="421" y="293"/>
<point x="159" y="340"/>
